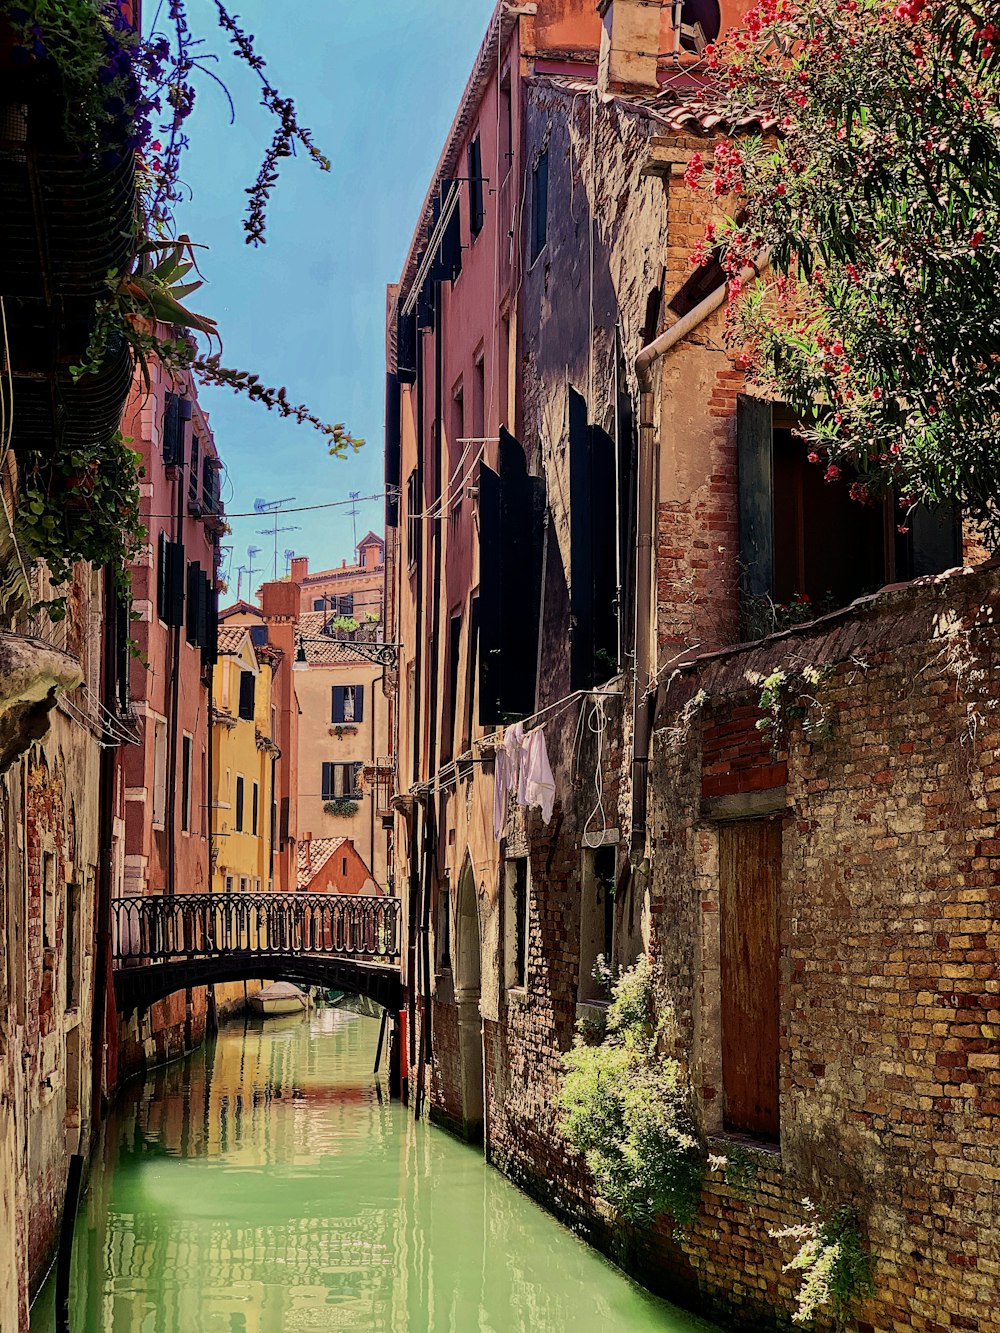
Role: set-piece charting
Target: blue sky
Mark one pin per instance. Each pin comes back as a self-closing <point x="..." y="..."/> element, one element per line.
<point x="378" y="82"/>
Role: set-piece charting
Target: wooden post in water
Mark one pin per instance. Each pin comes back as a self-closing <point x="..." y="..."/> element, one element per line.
<point x="64" y="1259"/>
<point x="381" y="1038"/>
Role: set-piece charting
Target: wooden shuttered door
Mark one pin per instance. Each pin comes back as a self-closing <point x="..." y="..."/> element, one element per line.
<point x="593" y="549"/>
<point x="749" y="884"/>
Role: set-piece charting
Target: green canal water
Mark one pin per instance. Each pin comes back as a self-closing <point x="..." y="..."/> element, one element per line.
<point x="263" y="1185"/>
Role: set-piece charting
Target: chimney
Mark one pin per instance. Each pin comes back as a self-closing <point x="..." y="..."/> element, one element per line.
<point x="630" y="44"/>
<point x="279" y="599"/>
<point x="300" y="568"/>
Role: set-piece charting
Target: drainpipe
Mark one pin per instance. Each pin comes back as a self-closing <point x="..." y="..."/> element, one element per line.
<point x="644" y="701"/>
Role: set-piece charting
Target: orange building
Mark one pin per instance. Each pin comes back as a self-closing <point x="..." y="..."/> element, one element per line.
<point x="332" y="865"/>
<point x="352" y="591"/>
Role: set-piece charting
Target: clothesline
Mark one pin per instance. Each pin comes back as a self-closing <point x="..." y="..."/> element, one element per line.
<point x="562" y="704"/>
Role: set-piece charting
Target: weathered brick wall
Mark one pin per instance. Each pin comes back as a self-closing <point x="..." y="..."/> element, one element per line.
<point x="890" y="987"/>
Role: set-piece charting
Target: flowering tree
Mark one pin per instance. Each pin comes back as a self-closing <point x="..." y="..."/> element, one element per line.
<point x="877" y="201"/>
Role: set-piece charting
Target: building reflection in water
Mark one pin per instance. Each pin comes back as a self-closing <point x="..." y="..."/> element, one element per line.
<point x="267" y="1185"/>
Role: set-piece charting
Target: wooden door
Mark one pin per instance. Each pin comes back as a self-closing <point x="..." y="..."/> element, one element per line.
<point x="749" y="881"/>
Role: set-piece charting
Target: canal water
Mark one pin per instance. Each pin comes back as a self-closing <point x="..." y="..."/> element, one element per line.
<point x="266" y="1184"/>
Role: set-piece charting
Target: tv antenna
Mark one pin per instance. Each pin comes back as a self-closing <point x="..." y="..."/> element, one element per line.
<point x="251" y="552"/>
<point x="288" y="562"/>
<point x="353" y="511"/>
<point x="240" y="571"/>
<point x="273" y="508"/>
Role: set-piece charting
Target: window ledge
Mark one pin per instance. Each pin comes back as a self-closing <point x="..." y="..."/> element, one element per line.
<point x="765" y="1149"/>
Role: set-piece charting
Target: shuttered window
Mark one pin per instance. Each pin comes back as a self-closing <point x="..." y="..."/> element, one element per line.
<point x="511" y="534"/>
<point x="170" y="581"/>
<point x="476" y="210"/>
<point x="248" y="690"/>
<point x="348" y="703"/>
<point x="749" y="884"/>
<point x="239" y="803"/>
<point x="594" y="591"/>
<point x="341" y="782"/>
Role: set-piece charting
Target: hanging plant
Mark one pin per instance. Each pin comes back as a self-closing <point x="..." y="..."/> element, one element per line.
<point x="341" y="807"/>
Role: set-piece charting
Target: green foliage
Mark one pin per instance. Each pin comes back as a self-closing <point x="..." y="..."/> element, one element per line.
<point x="624" y="1107"/>
<point x="81" y="504"/>
<point x="878" y="202"/>
<point x="787" y="696"/>
<point x="341" y="807"/>
<point x="344" y="625"/>
<point x="836" y="1267"/>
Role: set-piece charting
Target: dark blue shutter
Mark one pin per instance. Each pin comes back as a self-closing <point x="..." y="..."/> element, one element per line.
<point x="210" y="647"/>
<point x="172" y="434"/>
<point x="248" y="693"/>
<point x="327" y="782"/>
<point x="359" y="703"/>
<point x="239" y="805"/>
<point x="338" y="703"/>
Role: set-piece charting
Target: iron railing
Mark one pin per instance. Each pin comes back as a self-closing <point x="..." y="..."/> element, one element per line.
<point x="148" y="929"/>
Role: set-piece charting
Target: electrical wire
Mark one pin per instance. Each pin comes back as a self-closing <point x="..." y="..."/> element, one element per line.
<point x="297" y="509"/>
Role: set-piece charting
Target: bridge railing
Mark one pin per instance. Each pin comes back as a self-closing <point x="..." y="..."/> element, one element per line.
<point x="148" y="928"/>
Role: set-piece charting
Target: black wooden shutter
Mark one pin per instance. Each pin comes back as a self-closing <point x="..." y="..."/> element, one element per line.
<point x="449" y="260"/>
<point x="475" y="163"/>
<point x="755" y="466"/>
<point x="489" y="597"/>
<point x="172" y="434"/>
<point x="392" y="450"/>
<point x="239" y="805"/>
<point x="359" y="703"/>
<point x="406" y="348"/>
<point x="176" y="569"/>
<point x="593" y="549"/>
<point x="163" y="578"/>
<point x="210" y="641"/>
<point x="247" y="693"/>
<point x="355" y="775"/>
<point x="337" y="714"/>
<point x="193" y="602"/>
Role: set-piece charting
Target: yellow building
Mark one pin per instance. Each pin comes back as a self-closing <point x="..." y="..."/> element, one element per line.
<point x="243" y="762"/>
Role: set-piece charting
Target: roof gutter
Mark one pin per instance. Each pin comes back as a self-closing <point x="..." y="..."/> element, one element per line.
<point x="644" y="692"/>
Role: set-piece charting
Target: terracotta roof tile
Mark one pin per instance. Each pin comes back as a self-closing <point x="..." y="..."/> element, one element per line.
<point x="319" y="852"/>
<point x="231" y="637"/>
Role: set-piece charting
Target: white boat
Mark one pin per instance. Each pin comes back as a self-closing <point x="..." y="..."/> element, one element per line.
<point x="281" y="997"/>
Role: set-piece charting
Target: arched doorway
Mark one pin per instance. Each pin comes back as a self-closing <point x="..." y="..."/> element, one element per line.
<point x="468" y="960"/>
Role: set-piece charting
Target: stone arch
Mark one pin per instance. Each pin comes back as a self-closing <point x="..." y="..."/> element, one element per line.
<point x="468" y="983"/>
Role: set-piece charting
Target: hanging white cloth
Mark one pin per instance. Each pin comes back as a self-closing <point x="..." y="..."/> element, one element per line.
<point x="536" y="786"/>
<point x="506" y="773"/>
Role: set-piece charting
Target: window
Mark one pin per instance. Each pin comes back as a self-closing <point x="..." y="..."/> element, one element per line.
<point x="451" y="713"/>
<point x="443" y="932"/>
<point x="597" y="917"/>
<point x="159" y="772"/>
<point x="470" y="676"/>
<point x="516" y="933"/>
<point x="539" y="204"/>
<point x="348" y="703"/>
<point x="186" y="747"/>
<point x="479" y="397"/>
<point x="343" y="867"/>
<point x="749" y="881"/>
<point x="48" y="900"/>
<point x="457" y="424"/>
<point x="72" y="946"/>
<point x="475" y="162"/>
<point x="413" y="518"/>
<point x="210" y="484"/>
<point x="244" y="883"/>
<point x="248" y="692"/>
<point x="194" y="475"/>
<point x="341" y="782"/>
<point x="254" y="808"/>
<point x="803" y="538"/>
<point x="239" y="803"/>
<point x="176" y="411"/>
<point x="345" y="604"/>
<point x="505" y="144"/>
<point x="170" y="580"/>
<point x="319" y="603"/>
<point x="594" y="549"/>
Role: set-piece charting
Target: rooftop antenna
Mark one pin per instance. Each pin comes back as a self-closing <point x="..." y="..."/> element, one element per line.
<point x="273" y="507"/>
<point x="251" y="552"/>
<point x="289" y="554"/>
<point x="354" y="517"/>
<point x="240" y="571"/>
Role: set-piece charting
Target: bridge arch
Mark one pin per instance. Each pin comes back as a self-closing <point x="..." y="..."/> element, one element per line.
<point x="345" y="942"/>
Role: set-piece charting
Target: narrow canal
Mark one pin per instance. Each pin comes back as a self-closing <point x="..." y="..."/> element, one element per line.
<point x="263" y="1185"/>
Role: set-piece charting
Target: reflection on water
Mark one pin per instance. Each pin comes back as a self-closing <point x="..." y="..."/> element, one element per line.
<point x="266" y="1185"/>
